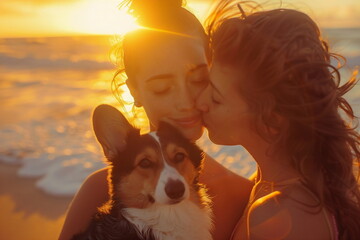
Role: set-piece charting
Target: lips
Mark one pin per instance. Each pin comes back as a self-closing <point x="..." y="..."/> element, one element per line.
<point x="187" y="122"/>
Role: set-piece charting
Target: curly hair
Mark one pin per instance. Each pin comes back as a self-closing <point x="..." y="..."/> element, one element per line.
<point x="289" y="74"/>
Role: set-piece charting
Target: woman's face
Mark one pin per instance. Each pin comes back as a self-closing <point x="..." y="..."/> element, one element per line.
<point x="225" y="114"/>
<point x="170" y="74"/>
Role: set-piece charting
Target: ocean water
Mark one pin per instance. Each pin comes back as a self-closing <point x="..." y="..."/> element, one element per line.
<point x="49" y="88"/>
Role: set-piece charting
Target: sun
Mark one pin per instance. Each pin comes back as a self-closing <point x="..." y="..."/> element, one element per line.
<point x="99" y="17"/>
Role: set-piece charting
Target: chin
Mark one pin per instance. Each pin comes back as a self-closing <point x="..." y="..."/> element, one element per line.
<point x="217" y="139"/>
<point x="194" y="133"/>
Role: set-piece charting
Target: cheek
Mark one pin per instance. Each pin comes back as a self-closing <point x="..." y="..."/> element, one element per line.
<point x="241" y="128"/>
<point x="229" y="127"/>
<point x="234" y="116"/>
<point x="156" y="108"/>
<point x="221" y="116"/>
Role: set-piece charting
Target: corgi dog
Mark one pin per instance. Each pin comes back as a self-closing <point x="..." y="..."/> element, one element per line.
<point x="154" y="188"/>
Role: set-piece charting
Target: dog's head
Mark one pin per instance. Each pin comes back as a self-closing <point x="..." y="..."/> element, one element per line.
<point x="154" y="168"/>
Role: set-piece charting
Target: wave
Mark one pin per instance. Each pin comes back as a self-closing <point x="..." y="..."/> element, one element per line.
<point x="61" y="154"/>
<point x="31" y="63"/>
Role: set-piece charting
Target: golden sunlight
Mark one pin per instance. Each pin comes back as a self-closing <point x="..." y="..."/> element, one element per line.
<point x="98" y="17"/>
<point x="23" y="18"/>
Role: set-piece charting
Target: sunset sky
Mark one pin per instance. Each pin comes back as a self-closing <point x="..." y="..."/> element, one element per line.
<point x="27" y="18"/>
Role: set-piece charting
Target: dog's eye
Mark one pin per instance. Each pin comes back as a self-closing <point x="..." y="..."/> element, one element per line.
<point x="145" y="163"/>
<point x="179" y="157"/>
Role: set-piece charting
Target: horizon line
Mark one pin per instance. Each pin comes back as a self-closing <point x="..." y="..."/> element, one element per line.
<point x="106" y="34"/>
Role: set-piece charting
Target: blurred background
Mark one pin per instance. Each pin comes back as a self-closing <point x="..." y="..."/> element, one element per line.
<point x="55" y="69"/>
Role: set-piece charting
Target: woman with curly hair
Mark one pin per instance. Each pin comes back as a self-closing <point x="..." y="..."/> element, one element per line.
<point x="275" y="91"/>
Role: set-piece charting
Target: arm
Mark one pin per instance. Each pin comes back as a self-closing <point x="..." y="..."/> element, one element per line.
<point x="229" y="192"/>
<point x="92" y="194"/>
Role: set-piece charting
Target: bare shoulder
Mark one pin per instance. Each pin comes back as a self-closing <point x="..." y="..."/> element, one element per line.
<point x="94" y="186"/>
<point x="278" y="216"/>
<point x="267" y="217"/>
<point x="92" y="194"/>
<point x="98" y="178"/>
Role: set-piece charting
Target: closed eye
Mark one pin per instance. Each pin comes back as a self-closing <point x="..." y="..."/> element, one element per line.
<point x="214" y="99"/>
<point x="215" y="94"/>
<point x="161" y="91"/>
<point x="160" y="86"/>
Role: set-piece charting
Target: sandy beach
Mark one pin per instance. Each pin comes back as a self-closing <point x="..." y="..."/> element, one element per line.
<point x="26" y="212"/>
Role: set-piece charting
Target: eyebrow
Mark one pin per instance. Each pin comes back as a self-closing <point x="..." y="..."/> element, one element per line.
<point x="167" y="76"/>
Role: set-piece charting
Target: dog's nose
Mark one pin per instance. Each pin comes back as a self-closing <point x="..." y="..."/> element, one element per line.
<point x="174" y="189"/>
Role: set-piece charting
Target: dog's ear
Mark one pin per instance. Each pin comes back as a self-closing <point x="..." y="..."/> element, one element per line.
<point x="111" y="129"/>
<point x="168" y="132"/>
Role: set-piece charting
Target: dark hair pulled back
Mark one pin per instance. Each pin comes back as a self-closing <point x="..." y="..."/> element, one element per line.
<point x="152" y="12"/>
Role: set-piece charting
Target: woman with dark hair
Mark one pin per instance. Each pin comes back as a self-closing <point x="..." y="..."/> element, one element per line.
<point x="164" y="64"/>
<point x="275" y="91"/>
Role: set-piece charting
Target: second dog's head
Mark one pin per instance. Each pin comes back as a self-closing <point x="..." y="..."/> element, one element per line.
<point x="154" y="168"/>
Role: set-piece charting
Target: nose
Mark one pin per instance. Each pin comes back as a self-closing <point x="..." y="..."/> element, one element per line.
<point x="184" y="100"/>
<point x="174" y="189"/>
<point x="201" y="101"/>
